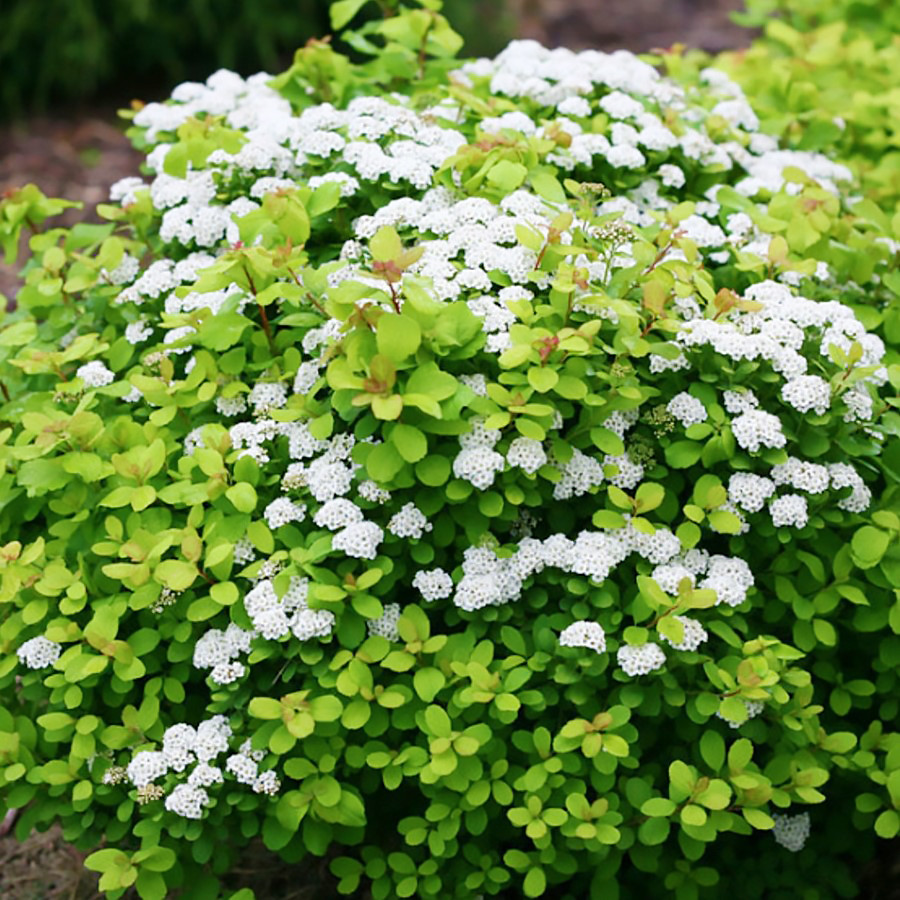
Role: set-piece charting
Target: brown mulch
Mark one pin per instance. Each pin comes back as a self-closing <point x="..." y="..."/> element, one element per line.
<point x="77" y="159"/>
<point x="637" y="25"/>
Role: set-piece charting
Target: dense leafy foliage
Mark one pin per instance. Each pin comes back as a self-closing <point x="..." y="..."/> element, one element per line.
<point x="485" y="480"/>
<point x="827" y="77"/>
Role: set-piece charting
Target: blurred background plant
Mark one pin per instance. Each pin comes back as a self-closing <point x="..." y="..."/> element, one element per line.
<point x="98" y="50"/>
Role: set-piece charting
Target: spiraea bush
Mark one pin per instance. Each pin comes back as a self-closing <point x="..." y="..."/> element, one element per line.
<point x="480" y="475"/>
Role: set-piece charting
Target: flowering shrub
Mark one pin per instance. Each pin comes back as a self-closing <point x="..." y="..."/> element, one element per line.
<point x="477" y="479"/>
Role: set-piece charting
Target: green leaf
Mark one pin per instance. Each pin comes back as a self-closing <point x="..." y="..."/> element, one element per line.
<point x="383" y="463"/>
<point x="542" y="379"/>
<point x="428" y="682"/>
<point x="433" y="471"/>
<point x="658" y="806"/>
<point x="869" y="545"/>
<point x="265" y="708"/>
<point x="242" y="497"/>
<point x="175" y="574"/>
<point x="438" y="721"/>
<point x="682" y="454"/>
<point x="548" y="187"/>
<point x="535" y="881"/>
<point x="649" y="496"/>
<point x="326" y="708"/>
<point x="712" y="749"/>
<point x="757" y="818"/>
<point x="681" y="778"/>
<point x="607" y="441"/>
<point x="385" y="244"/>
<point x="693" y="815"/>
<point x="654" y="831"/>
<point x="397" y="336"/>
<point x="410" y="442"/>
<point x="342" y="11"/>
<point x="724" y="522"/>
<point x="887" y="825"/>
<point x="507" y="175"/>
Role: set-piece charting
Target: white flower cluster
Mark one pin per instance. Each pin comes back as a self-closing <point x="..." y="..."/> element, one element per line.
<point x="791" y="831"/>
<point x="730" y="577"/>
<point x="338" y="513"/>
<point x="789" y="510"/>
<point x="183" y="746"/>
<point x="640" y="659"/>
<point x="95" y="374"/>
<point x="580" y="474"/>
<point x="386" y="624"/>
<point x="802" y="475"/>
<point x="409" y="522"/>
<point x="266" y="395"/>
<point x="584" y="634"/>
<point x="360" y="540"/>
<point x="435" y="584"/>
<point x="275" y="617"/>
<point x="756" y="429"/>
<point x="749" y="491"/>
<point x="38" y="653"/>
<point x="218" y="650"/>
<point x="526" y="453"/>
<point x="244" y="765"/>
<point x="478" y="462"/>
<point x="843" y="475"/>
<point x="694" y="634"/>
<point x="687" y="409"/>
<point x="281" y="511"/>
<point x="807" y="392"/>
<point x="491" y="580"/>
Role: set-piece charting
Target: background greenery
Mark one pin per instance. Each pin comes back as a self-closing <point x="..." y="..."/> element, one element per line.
<point x="55" y="53"/>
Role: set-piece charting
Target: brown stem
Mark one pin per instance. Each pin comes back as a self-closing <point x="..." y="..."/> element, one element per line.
<point x="249" y="279"/>
<point x="309" y="294"/>
<point x="5" y="391"/>
<point x="267" y="328"/>
<point x="422" y="57"/>
<point x="393" y="290"/>
<point x="650" y="325"/>
<point x="663" y="252"/>
<point x="206" y="575"/>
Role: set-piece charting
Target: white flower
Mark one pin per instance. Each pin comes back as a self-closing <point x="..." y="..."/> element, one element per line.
<point x="687" y="409"/>
<point x="791" y="831"/>
<point x="409" y="522"/>
<point x="584" y="634"/>
<point x="640" y="659"/>
<point x="386" y="624"/>
<point x="435" y="584"/>
<point x="281" y="511"/>
<point x="95" y="374"/>
<point x="807" y="392"/>
<point x="757" y="428"/>
<point x="526" y="453"/>
<point x="791" y="509"/>
<point x="361" y="540"/>
<point x="146" y="767"/>
<point x="39" y="653"/>
<point x="694" y="634"/>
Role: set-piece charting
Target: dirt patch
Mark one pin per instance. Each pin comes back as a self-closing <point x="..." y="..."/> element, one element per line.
<point x="74" y="159"/>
